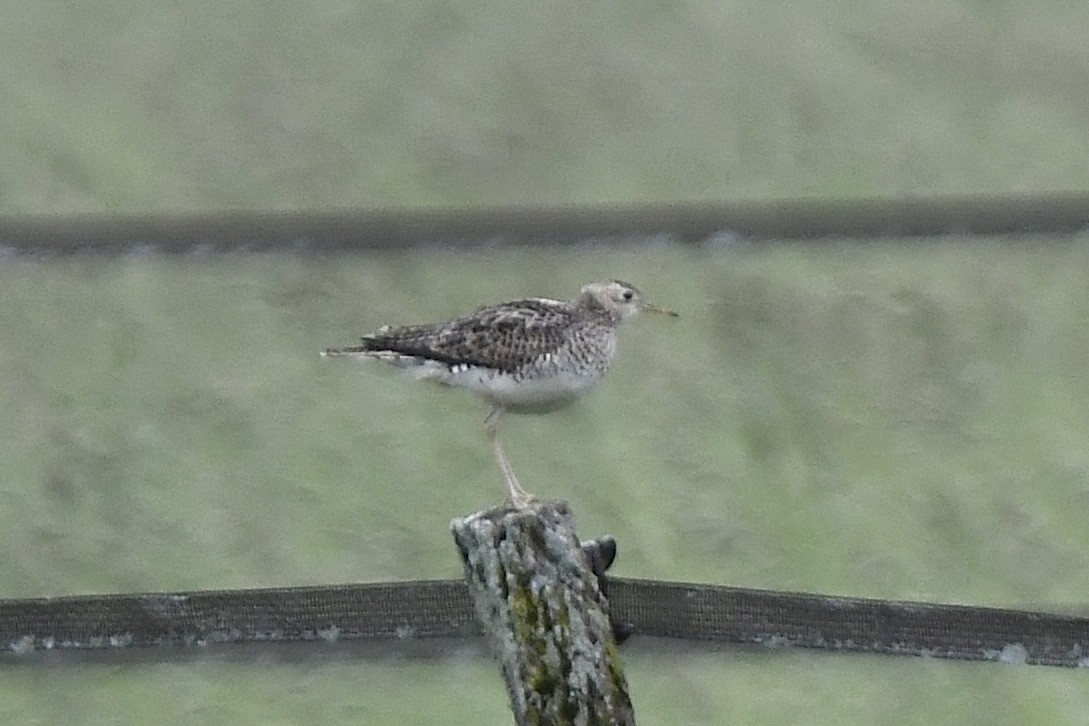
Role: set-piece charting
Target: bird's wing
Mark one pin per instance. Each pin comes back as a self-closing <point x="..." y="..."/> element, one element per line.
<point x="504" y="337"/>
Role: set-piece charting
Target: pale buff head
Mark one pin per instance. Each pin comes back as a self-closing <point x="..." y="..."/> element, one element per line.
<point x="621" y="300"/>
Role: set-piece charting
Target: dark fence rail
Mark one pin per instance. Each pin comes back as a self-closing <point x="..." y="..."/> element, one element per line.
<point x="346" y="230"/>
<point x="400" y="616"/>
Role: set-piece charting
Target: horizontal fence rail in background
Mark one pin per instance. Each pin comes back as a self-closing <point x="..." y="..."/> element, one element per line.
<point x="347" y="230"/>
<point x="401" y="615"/>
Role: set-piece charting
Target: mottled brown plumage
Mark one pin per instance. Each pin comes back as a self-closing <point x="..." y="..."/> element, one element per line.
<point x="508" y="337"/>
<point x="529" y="355"/>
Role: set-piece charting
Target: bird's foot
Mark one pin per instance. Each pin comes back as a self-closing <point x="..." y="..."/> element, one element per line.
<point x="517" y="496"/>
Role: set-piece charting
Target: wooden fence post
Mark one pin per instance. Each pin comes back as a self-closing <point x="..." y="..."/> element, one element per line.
<point x="544" y="615"/>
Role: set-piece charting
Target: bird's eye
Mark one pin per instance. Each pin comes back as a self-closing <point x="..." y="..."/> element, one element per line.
<point x="627" y="295"/>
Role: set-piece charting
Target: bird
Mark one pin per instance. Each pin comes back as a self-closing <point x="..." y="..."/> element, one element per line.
<point x="532" y="355"/>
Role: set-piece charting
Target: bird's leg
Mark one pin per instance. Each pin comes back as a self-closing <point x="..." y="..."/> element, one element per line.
<point x="519" y="497"/>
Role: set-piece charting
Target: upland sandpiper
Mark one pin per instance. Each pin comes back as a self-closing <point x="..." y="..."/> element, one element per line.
<point x="526" y="356"/>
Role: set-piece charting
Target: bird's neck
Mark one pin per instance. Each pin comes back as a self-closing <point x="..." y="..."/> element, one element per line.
<point x="591" y="305"/>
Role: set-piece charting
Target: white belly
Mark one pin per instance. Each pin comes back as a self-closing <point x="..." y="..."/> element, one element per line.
<point x="526" y="395"/>
<point x="543" y="392"/>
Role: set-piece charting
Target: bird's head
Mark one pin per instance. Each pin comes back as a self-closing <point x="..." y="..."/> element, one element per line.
<point x="621" y="300"/>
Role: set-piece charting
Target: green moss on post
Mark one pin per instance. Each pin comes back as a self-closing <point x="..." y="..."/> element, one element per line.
<point x="544" y="615"/>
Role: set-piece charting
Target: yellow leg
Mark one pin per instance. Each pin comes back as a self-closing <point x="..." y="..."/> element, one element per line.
<point x="519" y="497"/>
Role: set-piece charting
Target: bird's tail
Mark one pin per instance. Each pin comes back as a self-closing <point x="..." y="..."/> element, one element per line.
<point x="355" y="351"/>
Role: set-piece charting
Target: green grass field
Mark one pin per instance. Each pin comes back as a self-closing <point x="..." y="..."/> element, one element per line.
<point x="897" y="420"/>
<point x="126" y="106"/>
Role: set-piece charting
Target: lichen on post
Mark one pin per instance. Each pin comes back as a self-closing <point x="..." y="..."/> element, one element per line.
<point x="544" y="615"/>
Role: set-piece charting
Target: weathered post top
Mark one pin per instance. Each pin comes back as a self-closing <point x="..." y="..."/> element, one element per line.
<point x="544" y="615"/>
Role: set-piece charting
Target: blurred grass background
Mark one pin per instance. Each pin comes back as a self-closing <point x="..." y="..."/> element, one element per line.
<point x="196" y="105"/>
<point x="895" y="419"/>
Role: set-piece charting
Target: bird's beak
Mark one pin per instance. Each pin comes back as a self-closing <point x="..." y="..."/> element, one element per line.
<point x="647" y="307"/>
